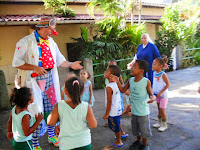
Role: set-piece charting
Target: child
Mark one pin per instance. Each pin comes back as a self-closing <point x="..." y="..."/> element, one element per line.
<point x="20" y="123"/>
<point x="69" y="75"/>
<point x="75" y="116"/>
<point x="160" y="89"/>
<point x="127" y="108"/>
<point x="113" y="62"/>
<point x="140" y="91"/>
<point x="63" y="97"/>
<point x="88" y="93"/>
<point x="114" y="107"/>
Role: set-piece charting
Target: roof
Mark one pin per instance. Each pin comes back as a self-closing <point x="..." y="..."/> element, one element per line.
<point x="79" y="18"/>
<point x="145" y="3"/>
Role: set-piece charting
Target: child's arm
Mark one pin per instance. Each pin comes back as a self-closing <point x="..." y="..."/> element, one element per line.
<point x="62" y="94"/>
<point x="128" y="109"/>
<point x="121" y="80"/>
<point x="53" y="117"/>
<point x="26" y="123"/>
<point x="9" y="127"/>
<point x="199" y="88"/>
<point x="116" y="79"/>
<point x="166" y="80"/>
<point x="91" y="92"/>
<point x="150" y="92"/>
<point x="109" y="92"/>
<point x="92" y="122"/>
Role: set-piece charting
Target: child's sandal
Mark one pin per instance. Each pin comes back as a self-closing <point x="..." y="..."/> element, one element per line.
<point x="54" y="140"/>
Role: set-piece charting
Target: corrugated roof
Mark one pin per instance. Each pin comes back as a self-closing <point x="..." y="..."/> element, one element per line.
<point x="32" y="19"/>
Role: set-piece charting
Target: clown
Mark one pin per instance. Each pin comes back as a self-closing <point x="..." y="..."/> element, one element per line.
<point x="39" y="55"/>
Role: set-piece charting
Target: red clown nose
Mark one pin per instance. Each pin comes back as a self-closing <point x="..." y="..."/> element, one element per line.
<point x="54" y="32"/>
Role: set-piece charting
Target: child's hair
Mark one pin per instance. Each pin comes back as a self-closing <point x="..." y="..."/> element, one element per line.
<point x="20" y="97"/>
<point x="114" y="61"/>
<point x="143" y="65"/>
<point x="87" y="73"/>
<point x="115" y="70"/>
<point x="74" y="87"/>
<point x="162" y="61"/>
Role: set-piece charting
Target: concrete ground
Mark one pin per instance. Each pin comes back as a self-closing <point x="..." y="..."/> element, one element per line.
<point x="183" y="115"/>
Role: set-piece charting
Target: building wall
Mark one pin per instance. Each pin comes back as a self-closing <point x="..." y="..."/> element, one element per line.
<point x="11" y="34"/>
<point x="7" y="9"/>
<point x="150" y="29"/>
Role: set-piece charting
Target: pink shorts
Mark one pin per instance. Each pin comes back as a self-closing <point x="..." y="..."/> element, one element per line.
<point x="162" y="102"/>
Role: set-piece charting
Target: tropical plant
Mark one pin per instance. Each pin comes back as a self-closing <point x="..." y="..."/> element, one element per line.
<point x="120" y="8"/>
<point x="180" y="27"/>
<point x="109" y="42"/>
<point x="65" y="11"/>
<point x="59" y="7"/>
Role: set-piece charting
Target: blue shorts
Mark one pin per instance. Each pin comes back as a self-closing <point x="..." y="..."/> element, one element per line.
<point x="114" y="123"/>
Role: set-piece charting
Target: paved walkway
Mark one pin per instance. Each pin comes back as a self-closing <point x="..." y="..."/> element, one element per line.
<point x="183" y="114"/>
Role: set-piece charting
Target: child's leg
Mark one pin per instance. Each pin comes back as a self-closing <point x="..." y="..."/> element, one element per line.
<point x="158" y="124"/>
<point x="163" y="113"/>
<point x="118" y="138"/>
<point x="144" y="128"/>
<point x="159" y="112"/>
<point x="114" y="125"/>
<point x="135" y="132"/>
<point x="144" y="141"/>
<point x="122" y="132"/>
<point x="163" y="106"/>
<point x="139" y="138"/>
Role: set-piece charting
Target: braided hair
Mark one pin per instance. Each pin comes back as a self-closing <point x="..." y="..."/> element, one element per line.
<point x="74" y="87"/>
<point x="20" y="97"/>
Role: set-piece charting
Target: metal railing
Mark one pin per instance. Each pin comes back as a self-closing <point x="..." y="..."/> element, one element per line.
<point x="189" y="50"/>
<point x="119" y="60"/>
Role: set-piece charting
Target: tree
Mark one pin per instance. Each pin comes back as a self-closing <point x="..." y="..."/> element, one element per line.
<point x="180" y="26"/>
<point x="59" y="7"/>
<point x="113" y="8"/>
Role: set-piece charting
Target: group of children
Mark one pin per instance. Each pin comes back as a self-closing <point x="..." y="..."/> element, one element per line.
<point x="141" y="94"/>
<point x="75" y="113"/>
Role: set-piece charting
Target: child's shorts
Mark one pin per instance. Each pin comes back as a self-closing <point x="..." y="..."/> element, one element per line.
<point x="114" y="123"/>
<point x="141" y="126"/>
<point x="27" y="145"/>
<point x="162" y="102"/>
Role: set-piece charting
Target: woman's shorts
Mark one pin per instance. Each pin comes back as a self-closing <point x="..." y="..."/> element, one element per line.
<point x="162" y="102"/>
<point x="114" y="123"/>
<point x="141" y="126"/>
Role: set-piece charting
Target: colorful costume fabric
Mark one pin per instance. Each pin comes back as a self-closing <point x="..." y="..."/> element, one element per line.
<point x="43" y="87"/>
<point x="86" y="95"/>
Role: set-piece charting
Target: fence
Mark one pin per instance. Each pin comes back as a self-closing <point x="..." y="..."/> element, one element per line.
<point x="176" y="61"/>
<point x="188" y="58"/>
<point x="119" y="60"/>
<point x="188" y="52"/>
